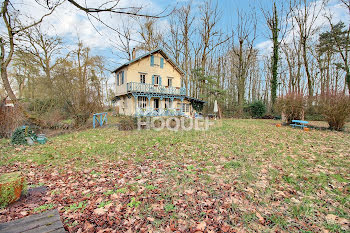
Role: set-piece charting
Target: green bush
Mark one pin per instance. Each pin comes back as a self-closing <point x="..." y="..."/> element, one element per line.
<point x="20" y="134"/>
<point x="257" y="109"/>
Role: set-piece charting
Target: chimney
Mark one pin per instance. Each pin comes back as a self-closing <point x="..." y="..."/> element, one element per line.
<point x="133" y="53"/>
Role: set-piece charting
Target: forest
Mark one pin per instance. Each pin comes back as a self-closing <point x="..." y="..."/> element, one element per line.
<point x="51" y="80"/>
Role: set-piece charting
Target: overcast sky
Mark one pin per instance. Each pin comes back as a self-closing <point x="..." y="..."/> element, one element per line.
<point x="71" y="24"/>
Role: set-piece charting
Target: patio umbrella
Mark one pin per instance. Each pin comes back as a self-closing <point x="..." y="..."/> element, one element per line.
<point x="216" y="106"/>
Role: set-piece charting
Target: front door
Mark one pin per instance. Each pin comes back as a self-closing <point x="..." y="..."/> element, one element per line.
<point x="156" y="104"/>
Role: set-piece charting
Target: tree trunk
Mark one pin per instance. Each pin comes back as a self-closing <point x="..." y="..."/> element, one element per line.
<point x="274" y="67"/>
<point x="7" y="85"/>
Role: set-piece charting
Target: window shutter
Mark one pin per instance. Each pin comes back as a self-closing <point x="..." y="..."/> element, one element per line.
<point x="152" y="60"/>
<point x="153" y="79"/>
<point x="160" y="81"/>
<point x="122" y="77"/>
<point x="118" y="79"/>
<point x="161" y="62"/>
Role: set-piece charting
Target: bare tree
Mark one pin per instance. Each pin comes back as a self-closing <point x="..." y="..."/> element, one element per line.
<point x="25" y="71"/>
<point x="45" y="50"/>
<point x="151" y="37"/>
<point x="14" y="29"/>
<point x="186" y="18"/>
<point x="244" y="52"/>
<point x="211" y="37"/>
<point x="304" y="18"/>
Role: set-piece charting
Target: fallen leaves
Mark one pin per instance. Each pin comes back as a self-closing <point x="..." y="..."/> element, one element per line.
<point x="24" y="213"/>
<point x="260" y="218"/>
<point x="334" y="219"/>
<point x="201" y="226"/>
<point x="179" y="184"/>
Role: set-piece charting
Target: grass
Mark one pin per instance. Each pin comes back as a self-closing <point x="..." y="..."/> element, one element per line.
<point x="43" y="207"/>
<point x="237" y="168"/>
<point x="10" y="177"/>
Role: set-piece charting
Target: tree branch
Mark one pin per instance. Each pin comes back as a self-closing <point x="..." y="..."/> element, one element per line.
<point x="115" y="10"/>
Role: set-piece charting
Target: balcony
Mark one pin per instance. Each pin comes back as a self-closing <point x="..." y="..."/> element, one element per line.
<point x="148" y="112"/>
<point x="133" y="87"/>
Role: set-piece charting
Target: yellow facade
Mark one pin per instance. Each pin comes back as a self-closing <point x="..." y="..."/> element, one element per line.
<point x="143" y="66"/>
<point x="141" y="71"/>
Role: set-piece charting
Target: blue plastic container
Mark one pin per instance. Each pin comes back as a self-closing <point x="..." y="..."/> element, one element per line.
<point x="41" y="138"/>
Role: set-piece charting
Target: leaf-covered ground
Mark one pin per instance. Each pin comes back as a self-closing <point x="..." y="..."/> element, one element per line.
<point x="241" y="175"/>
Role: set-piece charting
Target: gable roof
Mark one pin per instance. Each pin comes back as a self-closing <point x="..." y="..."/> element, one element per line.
<point x="158" y="50"/>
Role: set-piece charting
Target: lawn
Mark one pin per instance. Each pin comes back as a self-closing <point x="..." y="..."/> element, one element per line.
<point x="241" y="175"/>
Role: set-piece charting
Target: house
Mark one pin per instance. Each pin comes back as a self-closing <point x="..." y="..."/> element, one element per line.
<point x="150" y="85"/>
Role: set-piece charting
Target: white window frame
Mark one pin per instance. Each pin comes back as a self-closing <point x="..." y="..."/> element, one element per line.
<point x="142" y="78"/>
<point x="187" y="108"/>
<point x="156" y="61"/>
<point x="119" y="76"/>
<point x="167" y="103"/>
<point x="156" y="79"/>
<point x="170" y="81"/>
<point x="142" y="102"/>
<point x="183" y="107"/>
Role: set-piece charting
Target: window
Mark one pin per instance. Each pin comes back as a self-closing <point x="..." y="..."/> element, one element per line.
<point x="156" y="79"/>
<point x="170" y="82"/>
<point x="156" y="104"/>
<point x="167" y="103"/>
<point x="187" y="108"/>
<point x="120" y="78"/>
<point x="122" y="81"/>
<point x="142" y="101"/>
<point x="157" y="61"/>
<point x="183" y="107"/>
<point x="142" y="78"/>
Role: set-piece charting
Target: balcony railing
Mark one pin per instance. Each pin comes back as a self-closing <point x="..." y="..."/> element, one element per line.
<point x="158" y="89"/>
<point x="144" y="112"/>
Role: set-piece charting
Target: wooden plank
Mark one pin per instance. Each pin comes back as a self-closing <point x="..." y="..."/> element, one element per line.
<point x="57" y="225"/>
<point x="45" y="222"/>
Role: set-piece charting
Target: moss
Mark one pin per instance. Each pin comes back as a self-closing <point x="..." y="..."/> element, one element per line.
<point x="8" y="186"/>
<point x="9" y="177"/>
